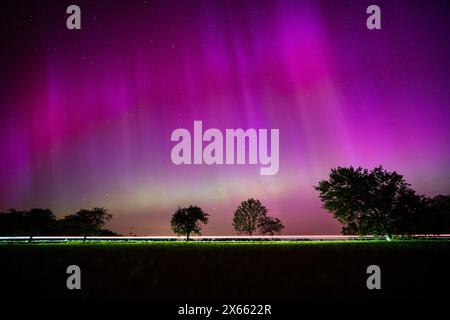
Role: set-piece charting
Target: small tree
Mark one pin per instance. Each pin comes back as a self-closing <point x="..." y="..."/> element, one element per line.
<point x="270" y="225"/>
<point x="247" y="215"/>
<point x="187" y="221"/>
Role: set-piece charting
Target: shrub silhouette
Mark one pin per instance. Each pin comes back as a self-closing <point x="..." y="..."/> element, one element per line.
<point x="270" y="225"/>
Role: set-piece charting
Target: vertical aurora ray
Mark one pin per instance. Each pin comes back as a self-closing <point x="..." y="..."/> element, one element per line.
<point x="86" y="116"/>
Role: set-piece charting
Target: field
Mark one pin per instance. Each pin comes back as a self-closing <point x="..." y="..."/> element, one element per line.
<point x="227" y="270"/>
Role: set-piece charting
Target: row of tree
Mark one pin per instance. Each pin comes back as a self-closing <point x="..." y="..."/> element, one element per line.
<point x="375" y="202"/>
<point x="381" y="203"/>
<point x="43" y="222"/>
<point x="249" y="217"/>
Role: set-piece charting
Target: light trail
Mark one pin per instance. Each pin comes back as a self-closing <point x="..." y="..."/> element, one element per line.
<point x="204" y="238"/>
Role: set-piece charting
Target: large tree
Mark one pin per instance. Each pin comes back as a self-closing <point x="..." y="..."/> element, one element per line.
<point x="187" y="221"/>
<point x="247" y="215"/>
<point x="375" y="202"/>
<point x="85" y="222"/>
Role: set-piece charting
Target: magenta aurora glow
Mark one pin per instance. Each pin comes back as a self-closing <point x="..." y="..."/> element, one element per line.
<point x="86" y="116"/>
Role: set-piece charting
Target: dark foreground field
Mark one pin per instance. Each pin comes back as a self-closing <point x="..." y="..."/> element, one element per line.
<point x="217" y="270"/>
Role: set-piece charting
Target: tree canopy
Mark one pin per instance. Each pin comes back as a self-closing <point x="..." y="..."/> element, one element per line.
<point x="187" y="221"/>
<point x="378" y="202"/>
<point x="270" y="225"/>
<point x="246" y="216"/>
<point x="85" y="222"/>
<point x="251" y="215"/>
<point x="35" y="222"/>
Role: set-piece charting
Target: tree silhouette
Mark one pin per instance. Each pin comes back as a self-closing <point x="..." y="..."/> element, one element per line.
<point x="376" y="202"/>
<point x="187" y="221"/>
<point x="86" y="222"/>
<point x="42" y="222"/>
<point x="35" y="222"/>
<point x="435" y="216"/>
<point x="270" y="225"/>
<point x="247" y="214"/>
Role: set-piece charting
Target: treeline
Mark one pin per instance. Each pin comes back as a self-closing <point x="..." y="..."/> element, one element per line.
<point x="382" y="203"/>
<point x="366" y="202"/>
<point x="43" y="222"/>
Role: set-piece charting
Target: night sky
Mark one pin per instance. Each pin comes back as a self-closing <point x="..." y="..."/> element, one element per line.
<point x="86" y="115"/>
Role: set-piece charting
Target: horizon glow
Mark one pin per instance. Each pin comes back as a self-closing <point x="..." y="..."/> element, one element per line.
<point x="86" y="115"/>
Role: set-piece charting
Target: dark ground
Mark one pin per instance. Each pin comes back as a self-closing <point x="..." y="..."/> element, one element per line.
<point x="217" y="270"/>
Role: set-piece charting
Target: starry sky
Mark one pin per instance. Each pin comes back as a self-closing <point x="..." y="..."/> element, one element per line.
<point x="86" y="115"/>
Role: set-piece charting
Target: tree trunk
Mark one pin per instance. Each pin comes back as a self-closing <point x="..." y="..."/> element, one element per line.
<point x="187" y="237"/>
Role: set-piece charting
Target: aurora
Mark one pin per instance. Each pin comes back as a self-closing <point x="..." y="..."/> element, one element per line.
<point x="86" y="116"/>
